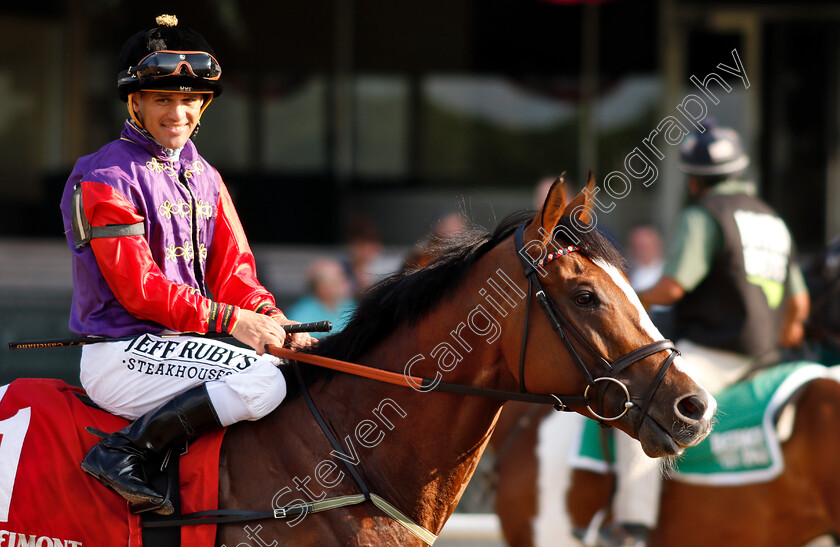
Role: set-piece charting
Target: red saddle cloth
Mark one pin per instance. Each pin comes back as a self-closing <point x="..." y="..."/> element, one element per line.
<point x="46" y="498"/>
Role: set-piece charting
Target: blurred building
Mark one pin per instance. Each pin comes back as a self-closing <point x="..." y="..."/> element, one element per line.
<point x="376" y="105"/>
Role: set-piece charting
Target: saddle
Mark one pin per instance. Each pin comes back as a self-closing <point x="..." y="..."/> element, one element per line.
<point x="43" y="439"/>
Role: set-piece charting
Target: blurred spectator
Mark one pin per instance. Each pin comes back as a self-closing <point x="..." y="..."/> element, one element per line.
<point x="364" y="248"/>
<point x="544" y="185"/>
<point x="329" y="295"/>
<point x="541" y="191"/>
<point x="645" y="249"/>
<point x="448" y="224"/>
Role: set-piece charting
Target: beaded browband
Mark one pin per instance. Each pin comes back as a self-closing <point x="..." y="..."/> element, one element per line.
<point x="552" y="256"/>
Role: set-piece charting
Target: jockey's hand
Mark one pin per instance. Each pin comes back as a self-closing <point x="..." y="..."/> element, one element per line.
<point x="298" y="340"/>
<point x="256" y="330"/>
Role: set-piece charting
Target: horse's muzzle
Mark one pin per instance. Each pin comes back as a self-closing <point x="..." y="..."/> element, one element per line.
<point x="689" y="421"/>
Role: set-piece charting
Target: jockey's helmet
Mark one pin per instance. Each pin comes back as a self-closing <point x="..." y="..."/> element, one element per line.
<point x="715" y="152"/>
<point x="167" y="57"/>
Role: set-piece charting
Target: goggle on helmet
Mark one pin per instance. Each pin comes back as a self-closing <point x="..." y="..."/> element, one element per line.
<point x="168" y="58"/>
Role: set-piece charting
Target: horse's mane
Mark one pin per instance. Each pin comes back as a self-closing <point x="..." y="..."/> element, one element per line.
<point x="407" y="296"/>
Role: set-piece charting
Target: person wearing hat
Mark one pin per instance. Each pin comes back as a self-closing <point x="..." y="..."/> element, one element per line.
<point x="738" y="296"/>
<point x="158" y="253"/>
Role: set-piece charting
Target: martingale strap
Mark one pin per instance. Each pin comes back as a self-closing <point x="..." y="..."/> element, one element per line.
<point x="327" y="433"/>
<point x="223" y="516"/>
<point x="227" y="516"/>
<point x="383" y="505"/>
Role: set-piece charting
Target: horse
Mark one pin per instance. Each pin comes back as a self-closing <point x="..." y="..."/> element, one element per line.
<point x="541" y="500"/>
<point x="467" y="319"/>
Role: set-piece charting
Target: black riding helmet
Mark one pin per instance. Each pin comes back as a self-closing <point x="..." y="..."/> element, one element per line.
<point x="715" y="152"/>
<point x="167" y="58"/>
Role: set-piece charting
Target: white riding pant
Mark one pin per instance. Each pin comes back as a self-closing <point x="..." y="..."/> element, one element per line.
<point x="638" y="477"/>
<point x="131" y="378"/>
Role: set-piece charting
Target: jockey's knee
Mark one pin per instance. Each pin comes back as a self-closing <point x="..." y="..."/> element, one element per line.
<point x="249" y="395"/>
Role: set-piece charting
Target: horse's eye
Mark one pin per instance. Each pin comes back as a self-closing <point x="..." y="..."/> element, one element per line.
<point x="585" y="299"/>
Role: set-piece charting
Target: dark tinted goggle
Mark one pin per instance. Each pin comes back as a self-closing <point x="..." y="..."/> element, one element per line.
<point x="170" y="63"/>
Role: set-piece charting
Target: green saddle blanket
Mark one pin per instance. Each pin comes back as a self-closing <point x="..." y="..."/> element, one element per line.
<point x="743" y="446"/>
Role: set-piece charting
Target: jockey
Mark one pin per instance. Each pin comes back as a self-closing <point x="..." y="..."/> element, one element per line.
<point x="738" y="297"/>
<point x="158" y="250"/>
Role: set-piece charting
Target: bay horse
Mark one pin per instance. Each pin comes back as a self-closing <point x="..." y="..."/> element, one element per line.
<point x="464" y="320"/>
<point x="540" y="499"/>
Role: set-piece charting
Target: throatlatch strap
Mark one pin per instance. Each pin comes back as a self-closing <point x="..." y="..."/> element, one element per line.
<point x="524" y="346"/>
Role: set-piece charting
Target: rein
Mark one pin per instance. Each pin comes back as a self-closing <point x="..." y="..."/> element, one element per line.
<point x="421" y="384"/>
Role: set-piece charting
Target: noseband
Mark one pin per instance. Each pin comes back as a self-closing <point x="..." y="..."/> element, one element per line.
<point x="563" y="328"/>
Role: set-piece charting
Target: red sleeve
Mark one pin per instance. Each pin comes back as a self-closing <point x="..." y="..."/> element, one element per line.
<point x="231" y="271"/>
<point x="136" y="280"/>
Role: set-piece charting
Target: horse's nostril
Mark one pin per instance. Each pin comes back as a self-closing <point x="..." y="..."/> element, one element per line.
<point x="691" y="407"/>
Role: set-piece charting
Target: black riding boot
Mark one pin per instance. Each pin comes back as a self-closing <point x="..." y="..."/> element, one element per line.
<point x="117" y="460"/>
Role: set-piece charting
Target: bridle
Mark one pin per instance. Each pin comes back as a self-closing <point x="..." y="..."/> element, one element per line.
<point x="561" y="325"/>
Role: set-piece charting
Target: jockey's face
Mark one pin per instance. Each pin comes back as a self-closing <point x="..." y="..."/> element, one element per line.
<point x="170" y="117"/>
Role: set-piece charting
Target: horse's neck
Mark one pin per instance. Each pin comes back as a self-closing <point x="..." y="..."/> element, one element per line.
<point x="431" y="442"/>
<point x="416" y="450"/>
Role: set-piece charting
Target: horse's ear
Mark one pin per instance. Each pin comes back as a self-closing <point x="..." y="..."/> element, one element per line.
<point x="551" y="211"/>
<point x="583" y="202"/>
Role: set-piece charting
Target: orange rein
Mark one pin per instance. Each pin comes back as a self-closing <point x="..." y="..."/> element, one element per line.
<point x="350" y="368"/>
<point x="419" y="383"/>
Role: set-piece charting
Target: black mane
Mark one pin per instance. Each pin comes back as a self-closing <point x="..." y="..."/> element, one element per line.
<point x="409" y="295"/>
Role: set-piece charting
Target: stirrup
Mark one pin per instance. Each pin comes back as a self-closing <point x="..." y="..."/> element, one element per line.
<point x="165" y="508"/>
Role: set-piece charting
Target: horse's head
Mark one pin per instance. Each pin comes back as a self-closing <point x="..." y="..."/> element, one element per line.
<point x="583" y="311"/>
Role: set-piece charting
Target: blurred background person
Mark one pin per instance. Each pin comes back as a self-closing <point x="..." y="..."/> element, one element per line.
<point x="362" y="264"/>
<point x="644" y="252"/>
<point x="448" y="224"/>
<point x="644" y="249"/>
<point x="544" y="185"/>
<point x="363" y="247"/>
<point x="329" y="295"/>
<point x="541" y="191"/>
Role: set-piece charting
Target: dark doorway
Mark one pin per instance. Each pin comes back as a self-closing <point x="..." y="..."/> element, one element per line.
<point x="800" y="123"/>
